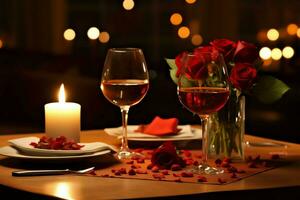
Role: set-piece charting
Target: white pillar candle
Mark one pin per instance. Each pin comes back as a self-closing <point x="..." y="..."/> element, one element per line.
<point x="63" y="118"/>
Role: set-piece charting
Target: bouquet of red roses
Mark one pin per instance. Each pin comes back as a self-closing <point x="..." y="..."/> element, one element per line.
<point x="243" y="64"/>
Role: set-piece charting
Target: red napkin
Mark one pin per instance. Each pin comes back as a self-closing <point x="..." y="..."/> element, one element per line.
<point x="160" y="127"/>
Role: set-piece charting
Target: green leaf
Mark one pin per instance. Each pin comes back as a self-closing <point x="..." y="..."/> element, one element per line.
<point x="269" y="89"/>
<point x="173" y="70"/>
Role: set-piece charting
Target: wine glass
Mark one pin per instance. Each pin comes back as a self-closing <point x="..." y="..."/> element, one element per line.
<point x="125" y="82"/>
<point x="203" y="89"/>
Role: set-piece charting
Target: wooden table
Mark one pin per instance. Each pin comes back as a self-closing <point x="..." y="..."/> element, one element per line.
<point x="84" y="187"/>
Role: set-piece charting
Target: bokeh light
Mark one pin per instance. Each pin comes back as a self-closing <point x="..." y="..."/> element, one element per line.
<point x="104" y="37"/>
<point x="276" y="54"/>
<point x="267" y="62"/>
<point x="190" y="1"/>
<point x="197" y="39"/>
<point x="93" y="33"/>
<point x="288" y="52"/>
<point x="176" y="19"/>
<point x="265" y="53"/>
<point x="128" y="4"/>
<point x="273" y="34"/>
<point x="1" y="43"/>
<point x="298" y="32"/>
<point x="69" y="34"/>
<point x="291" y="29"/>
<point x="183" y="32"/>
<point x="262" y="36"/>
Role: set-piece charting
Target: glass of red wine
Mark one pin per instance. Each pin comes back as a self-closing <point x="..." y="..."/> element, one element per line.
<point x="125" y="82"/>
<point x="203" y="89"/>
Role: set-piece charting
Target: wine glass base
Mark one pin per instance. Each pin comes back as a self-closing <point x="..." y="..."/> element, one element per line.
<point x="206" y="169"/>
<point x="123" y="155"/>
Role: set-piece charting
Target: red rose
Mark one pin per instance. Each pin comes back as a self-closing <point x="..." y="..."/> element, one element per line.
<point x="179" y="60"/>
<point x="165" y="156"/>
<point x="245" y="52"/>
<point x="243" y="76"/>
<point x="196" y="64"/>
<point x="226" y="47"/>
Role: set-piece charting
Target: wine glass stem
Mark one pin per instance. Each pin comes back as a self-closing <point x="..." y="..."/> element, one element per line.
<point x="124" y="111"/>
<point x="204" y="123"/>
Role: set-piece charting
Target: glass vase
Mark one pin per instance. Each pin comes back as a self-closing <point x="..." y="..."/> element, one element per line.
<point x="227" y="127"/>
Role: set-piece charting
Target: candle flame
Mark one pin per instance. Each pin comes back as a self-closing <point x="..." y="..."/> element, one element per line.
<point x="61" y="95"/>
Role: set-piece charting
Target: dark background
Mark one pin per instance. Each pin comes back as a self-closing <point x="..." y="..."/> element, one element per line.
<point x="35" y="58"/>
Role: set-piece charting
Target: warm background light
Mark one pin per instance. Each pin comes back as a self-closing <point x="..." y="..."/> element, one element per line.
<point x="176" y="19"/>
<point x="288" y="52"/>
<point x="273" y="34"/>
<point x="128" y="4"/>
<point x="93" y="33"/>
<point x="262" y="36"/>
<point x="267" y="62"/>
<point x="104" y="37"/>
<point x="1" y="44"/>
<point x="276" y="54"/>
<point x="298" y="32"/>
<point x="197" y="39"/>
<point x="190" y="1"/>
<point x="265" y="53"/>
<point x="183" y="32"/>
<point x="291" y="29"/>
<point x="69" y="34"/>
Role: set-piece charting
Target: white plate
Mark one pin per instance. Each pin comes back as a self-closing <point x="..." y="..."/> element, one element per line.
<point x="23" y="144"/>
<point x="187" y="133"/>
<point x="14" y="153"/>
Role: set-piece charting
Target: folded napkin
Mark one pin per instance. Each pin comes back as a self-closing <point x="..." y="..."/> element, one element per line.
<point x="160" y="127"/>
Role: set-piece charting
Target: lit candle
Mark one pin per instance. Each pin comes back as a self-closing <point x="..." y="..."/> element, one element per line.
<point x="63" y="118"/>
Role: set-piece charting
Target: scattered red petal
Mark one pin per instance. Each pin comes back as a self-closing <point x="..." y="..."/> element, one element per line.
<point x="140" y="171"/>
<point x="135" y="166"/>
<point x="131" y="172"/>
<point x="158" y="176"/>
<point x="155" y="169"/>
<point x="187" y="153"/>
<point x="176" y="175"/>
<point x="187" y="174"/>
<point x="176" y="167"/>
<point x="189" y="161"/>
<point x="141" y="160"/>
<point x="122" y="170"/>
<point x="165" y="172"/>
<point x="201" y="179"/>
<point x="150" y="166"/>
<point x="117" y="173"/>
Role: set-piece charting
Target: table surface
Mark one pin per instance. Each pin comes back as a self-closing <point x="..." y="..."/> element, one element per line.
<point x="85" y="187"/>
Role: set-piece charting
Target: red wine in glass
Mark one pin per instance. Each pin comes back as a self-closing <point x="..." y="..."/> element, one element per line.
<point x="203" y="100"/>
